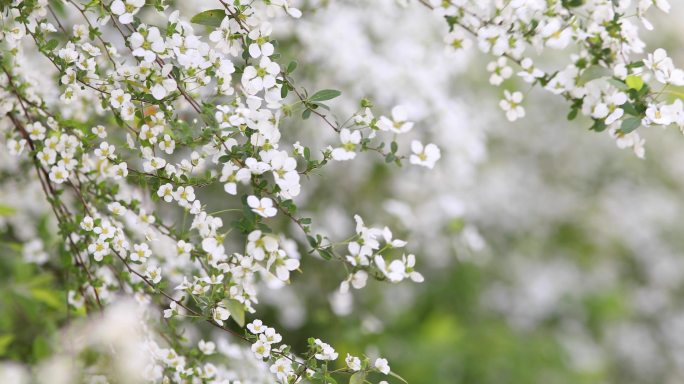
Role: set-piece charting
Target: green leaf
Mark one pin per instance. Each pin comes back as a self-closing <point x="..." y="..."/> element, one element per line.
<point x="6" y="210"/>
<point x="358" y="378"/>
<point x="212" y="17"/>
<point x="48" y="297"/>
<point x="325" y="94"/>
<point x="618" y="84"/>
<point x="634" y="82"/>
<point x="398" y="377"/>
<point x="325" y="254"/>
<point x="599" y="125"/>
<point x="629" y="109"/>
<point x="592" y="73"/>
<point x="5" y="341"/>
<point x="50" y="45"/>
<point x="237" y="311"/>
<point x="628" y="125"/>
<point x="292" y="66"/>
<point x="572" y="3"/>
<point x="390" y="157"/>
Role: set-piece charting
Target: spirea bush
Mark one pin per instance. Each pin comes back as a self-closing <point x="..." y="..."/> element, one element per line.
<point x="144" y="110"/>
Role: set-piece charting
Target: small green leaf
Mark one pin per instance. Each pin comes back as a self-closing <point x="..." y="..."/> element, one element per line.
<point x="292" y="66"/>
<point x="628" y="125"/>
<point x="325" y="94"/>
<point x="629" y="109"/>
<point x="5" y="341"/>
<point x="619" y="84"/>
<point x="358" y="377"/>
<point x="398" y="377"/>
<point x="237" y="311"/>
<point x="48" y="297"/>
<point x="592" y="73"/>
<point x="390" y="158"/>
<point x="634" y="82"/>
<point x="599" y="125"/>
<point x="6" y="210"/>
<point x="212" y="17"/>
<point x="325" y="254"/>
<point x="51" y="45"/>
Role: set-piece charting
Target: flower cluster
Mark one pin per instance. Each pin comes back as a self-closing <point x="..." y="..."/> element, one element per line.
<point x="149" y="115"/>
<point x="607" y="76"/>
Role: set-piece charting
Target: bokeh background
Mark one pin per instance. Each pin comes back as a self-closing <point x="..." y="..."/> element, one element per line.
<point x="550" y="255"/>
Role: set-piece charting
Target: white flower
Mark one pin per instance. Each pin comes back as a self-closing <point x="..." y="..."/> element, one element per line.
<point x="353" y="362"/>
<point x="172" y="310"/>
<point x="283" y="265"/>
<point x="325" y="351"/>
<point x="270" y="336"/>
<point x="263" y="76"/>
<point x="116" y="208"/>
<point x="511" y="105"/>
<point x="358" y="255"/>
<point x="16" y="147"/>
<point x="456" y="40"/>
<point x="153" y="273"/>
<point x="259" y="245"/>
<point x="262" y="207"/>
<point x="183" y="248"/>
<point x="165" y="192"/>
<point x="105" y="151"/>
<point x="141" y="252"/>
<point x="425" y="156"/>
<point x="357" y="279"/>
<point x="184" y="196"/>
<point x="349" y="142"/>
<point x="100" y="131"/>
<point x="395" y="271"/>
<point x="409" y="263"/>
<point x="118" y="98"/>
<point x="261" y="46"/>
<point x="220" y="315"/>
<point x="207" y="347"/>
<point x="126" y="9"/>
<point x="147" y="44"/>
<point x="382" y="365"/>
<point x="399" y="122"/>
<point x="167" y="145"/>
<point x="99" y="249"/>
<point x="256" y="327"/>
<point x="87" y="224"/>
<point x="530" y="73"/>
<point x="500" y="71"/>
<point x="36" y="130"/>
<point x="47" y="156"/>
<point x="663" y="68"/>
<point x="261" y="350"/>
<point x="282" y="368"/>
<point x="33" y="252"/>
<point x="58" y="174"/>
<point x="213" y="247"/>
